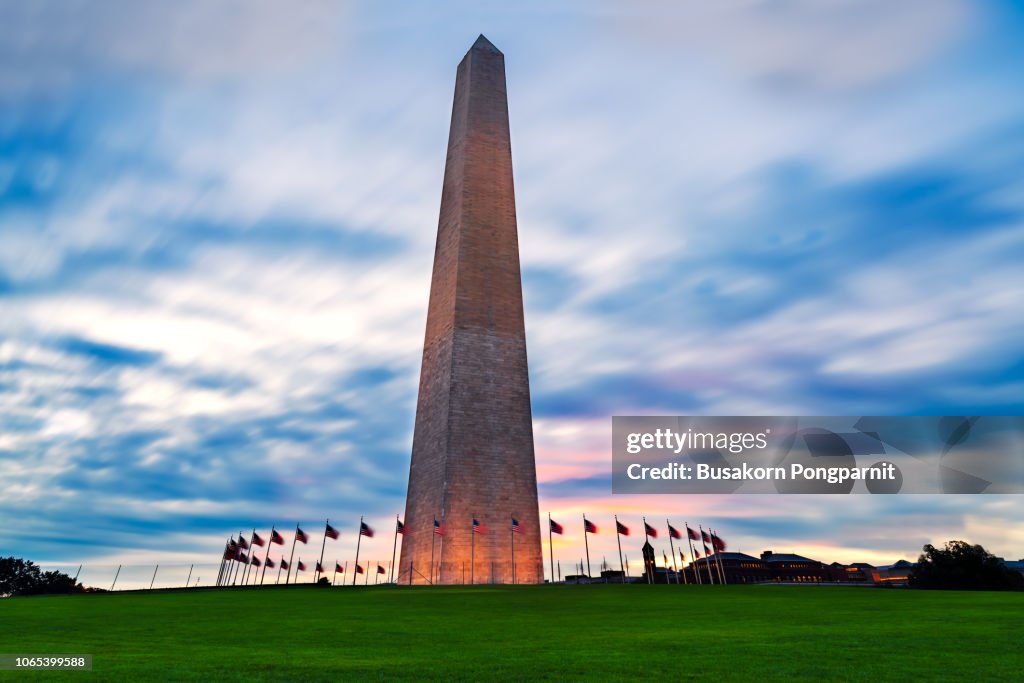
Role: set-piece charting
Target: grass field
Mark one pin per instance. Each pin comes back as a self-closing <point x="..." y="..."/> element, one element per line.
<point x="553" y="633"/>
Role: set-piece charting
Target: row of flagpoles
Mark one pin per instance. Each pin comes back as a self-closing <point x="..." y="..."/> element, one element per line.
<point x="240" y="555"/>
<point x="705" y="538"/>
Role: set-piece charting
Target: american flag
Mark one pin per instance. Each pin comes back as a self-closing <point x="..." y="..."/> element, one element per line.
<point x="691" y="534"/>
<point x="365" y="530"/>
<point x="400" y="528"/>
<point x="319" y="568"/>
<point x="589" y="527"/>
<point x="674" y="532"/>
<point x="380" y="570"/>
<point x="516" y="529"/>
<point x="339" y="568"/>
<point x="258" y="540"/>
<point x="478" y="528"/>
<point x="718" y="543"/>
<point x="254" y="561"/>
<point x="300" y="535"/>
<point x="331" y="532"/>
<point x="241" y="543"/>
<point x="556" y="528"/>
<point x="650" y="530"/>
<point x="705" y="537"/>
<point x="276" y="538"/>
<point x="438" y="529"/>
<point x="621" y="528"/>
<point x="300" y="567"/>
<point x="284" y="563"/>
<point x="359" y="569"/>
<point x="270" y="563"/>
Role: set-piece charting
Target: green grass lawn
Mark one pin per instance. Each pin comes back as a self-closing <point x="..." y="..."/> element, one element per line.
<point x="553" y="633"/>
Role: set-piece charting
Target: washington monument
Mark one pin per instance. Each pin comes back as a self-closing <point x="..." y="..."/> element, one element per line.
<point x="472" y="450"/>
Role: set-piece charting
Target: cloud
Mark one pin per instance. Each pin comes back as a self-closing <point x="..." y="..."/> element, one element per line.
<point x="45" y="46"/>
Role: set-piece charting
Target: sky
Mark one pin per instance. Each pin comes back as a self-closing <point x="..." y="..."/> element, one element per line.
<point x="217" y="221"/>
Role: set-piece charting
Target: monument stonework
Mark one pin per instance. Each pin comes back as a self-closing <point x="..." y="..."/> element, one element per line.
<point x="472" y="451"/>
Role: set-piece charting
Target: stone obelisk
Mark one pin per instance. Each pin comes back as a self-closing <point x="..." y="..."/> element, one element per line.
<point x="472" y="450"/>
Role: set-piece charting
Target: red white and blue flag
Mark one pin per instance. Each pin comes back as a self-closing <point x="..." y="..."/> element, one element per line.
<point x="674" y="532"/>
<point x="339" y="568"/>
<point x="242" y="544"/>
<point x="319" y="568"/>
<point x="650" y="530"/>
<point x="589" y="527"/>
<point x="705" y="537"/>
<point x="331" y="532"/>
<point x="300" y="567"/>
<point x="284" y="563"/>
<point x="300" y="535"/>
<point x="478" y="528"/>
<point x="718" y="543"/>
<point x="254" y="561"/>
<point x="258" y="540"/>
<point x="359" y="569"/>
<point x="365" y="530"/>
<point x="621" y="528"/>
<point x="400" y="528"/>
<point x="691" y="534"/>
<point x="380" y="570"/>
<point x="556" y="528"/>
<point x="270" y="563"/>
<point x="438" y="529"/>
<point x="276" y="538"/>
<point x="516" y="529"/>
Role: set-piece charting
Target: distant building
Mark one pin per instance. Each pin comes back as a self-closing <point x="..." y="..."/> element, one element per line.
<point x="858" y="572"/>
<point x="895" y="575"/>
<point x="791" y="568"/>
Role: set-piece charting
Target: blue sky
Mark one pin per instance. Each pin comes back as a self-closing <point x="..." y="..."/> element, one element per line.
<point x="217" y="223"/>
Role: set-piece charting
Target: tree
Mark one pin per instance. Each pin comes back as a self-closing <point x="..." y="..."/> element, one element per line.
<point x="22" y="577"/>
<point x="962" y="566"/>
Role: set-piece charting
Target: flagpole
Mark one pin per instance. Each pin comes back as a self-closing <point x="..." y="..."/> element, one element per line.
<point x="672" y="550"/>
<point x="279" y="568"/>
<point x="270" y="542"/>
<point x="707" y="560"/>
<point x="115" y="578"/>
<point x="440" y="552"/>
<point x="252" y="550"/>
<point x="586" y="543"/>
<point x="245" y="576"/>
<point x="291" y="557"/>
<point x="618" y="539"/>
<point x="433" y="538"/>
<point x="223" y="561"/>
<point x="472" y="550"/>
<point x="327" y="522"/>
<point x="187" y="581"/>
<point x="359" y="542"/>
<point x="647" y="570"/>
<point x="682" y="565"/>
<point x="551" y="550"/>
<point x="154" y="577"/>
<point x="335" y="577"/>
<point x="512" y="530"/>
<point x="394" y="550"/>
<point x="693" y="559"/>
<point x="721" y="569"/>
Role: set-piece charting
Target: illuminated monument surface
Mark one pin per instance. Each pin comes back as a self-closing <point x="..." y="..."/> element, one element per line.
<point x="472" y="451"/>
